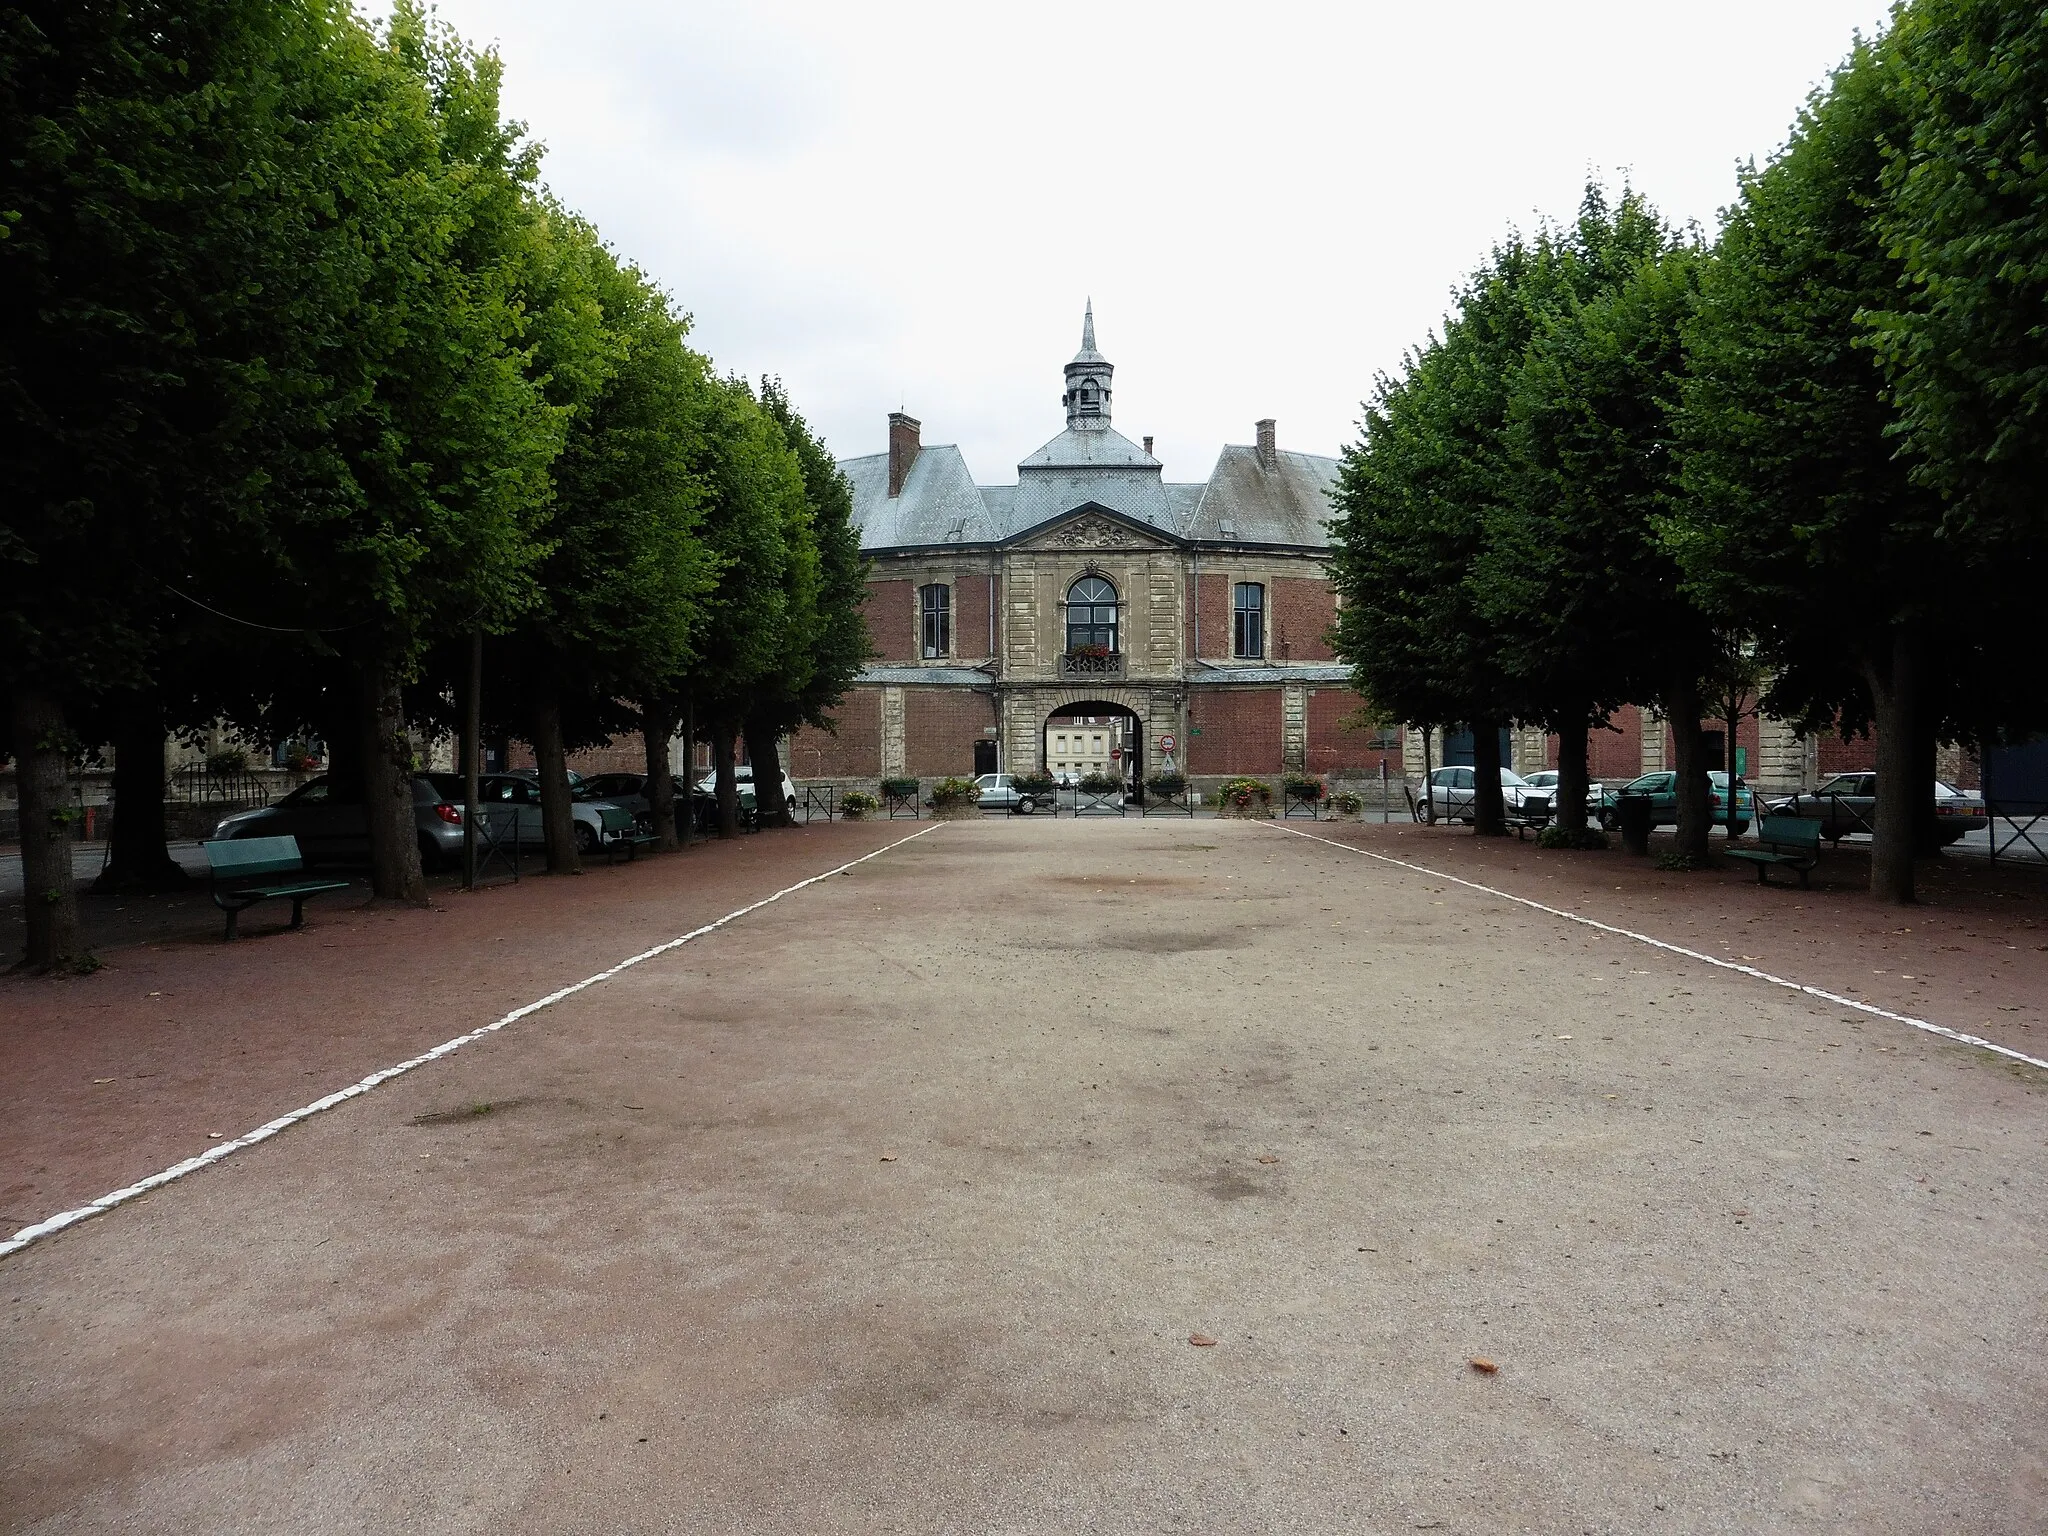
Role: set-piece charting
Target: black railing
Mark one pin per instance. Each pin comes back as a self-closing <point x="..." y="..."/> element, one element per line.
<point x="1092" y="802"/>
<point x="1158" y="803"/>
<point x="202" y="786"/>
<point x="2028" y="820"/>
<point x="821" y="800"/>
<point x="1081" y="665"/>
<point x="1301" y="804"/>
<point x="908" y="803"/>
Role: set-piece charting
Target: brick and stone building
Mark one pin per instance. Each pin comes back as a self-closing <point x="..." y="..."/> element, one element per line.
<point x="1095" y="588"/>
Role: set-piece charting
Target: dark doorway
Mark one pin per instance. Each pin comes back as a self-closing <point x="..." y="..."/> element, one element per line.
<point x="1458" y="749"/>
<point x="984" y="758"/>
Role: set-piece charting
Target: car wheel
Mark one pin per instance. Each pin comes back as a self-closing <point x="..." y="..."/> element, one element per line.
<point x="1739" y="829"/>
<point x="1026" y="806"/>
<point x="1949" y="835"/>
<point x="586" y="840"/>
<point x="1429" y="813"/>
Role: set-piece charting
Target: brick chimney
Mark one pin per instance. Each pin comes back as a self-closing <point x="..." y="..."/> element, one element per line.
<point x="1269" y="450"/>
<point x="1148" y="447"/>
<point x="902" y="449"/>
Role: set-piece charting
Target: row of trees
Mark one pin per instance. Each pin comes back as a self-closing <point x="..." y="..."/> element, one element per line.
<point x="320" y="416"/>
<point x="1641" y="467"/>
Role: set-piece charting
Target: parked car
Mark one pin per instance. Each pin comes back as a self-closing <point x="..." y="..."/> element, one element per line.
<point x="1545" y="779"/>
<point x="332" y="827"/>
<point x="508" y="805"/>
<point x="706" y="795"/>
<point x="629" y="790"/>
<point x="1452" y="792"/>
<point x="1847" y="803"/>
<point x="999" y="793"/>
<point x="1662" y="791"/>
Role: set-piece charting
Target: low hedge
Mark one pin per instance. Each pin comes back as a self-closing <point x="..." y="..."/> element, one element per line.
<point x="1590" y="838"/>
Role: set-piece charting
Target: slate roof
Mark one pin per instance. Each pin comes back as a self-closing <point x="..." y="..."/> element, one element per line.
<point x="1309" y="672"/>
<point x="1240" y="503"/>
<point x="899" y="675"/>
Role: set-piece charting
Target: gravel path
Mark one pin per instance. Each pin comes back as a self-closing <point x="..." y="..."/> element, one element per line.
<point x="895" y="1205"/>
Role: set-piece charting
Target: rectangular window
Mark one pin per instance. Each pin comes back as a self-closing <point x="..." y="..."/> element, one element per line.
<point x="1248" y="620"/>
<point x="936" y="604"/>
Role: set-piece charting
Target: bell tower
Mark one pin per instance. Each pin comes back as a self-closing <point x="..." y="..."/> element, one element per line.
<point x="1087" y="396"/>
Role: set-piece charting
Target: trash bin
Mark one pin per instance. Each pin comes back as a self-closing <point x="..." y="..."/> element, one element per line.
<point x="1634" y="814"/>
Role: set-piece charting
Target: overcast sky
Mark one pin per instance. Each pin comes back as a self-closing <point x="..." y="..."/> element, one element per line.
<point x="906" y="205"/>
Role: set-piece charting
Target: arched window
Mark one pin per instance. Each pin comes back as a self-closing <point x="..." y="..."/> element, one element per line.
<point x="1091" y="615"/>
<point x="935" y="608"/>
<point x="1248" y="620"/>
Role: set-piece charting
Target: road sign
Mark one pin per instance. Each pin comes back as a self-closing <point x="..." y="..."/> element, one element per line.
<point x="1166" y="743"/>
<point x="1115" y="752"/>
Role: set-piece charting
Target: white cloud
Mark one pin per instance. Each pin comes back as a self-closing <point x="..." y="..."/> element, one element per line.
<point x="906" y="205"/>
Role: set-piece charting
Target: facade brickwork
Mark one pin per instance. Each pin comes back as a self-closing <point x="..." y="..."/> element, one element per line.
<point x="1240" y="729"/>
<point x="1210" y="634"/>
<point x="891" y="612"/>
<point x="851" y="750"/>
<point x="940" y="728"/>
<point x="1303" y="610"/>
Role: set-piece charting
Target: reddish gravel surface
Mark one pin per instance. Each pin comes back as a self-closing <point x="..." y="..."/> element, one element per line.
<point x="1973" y="955"/>
<point x="898" y="1204"/>
<point x="113" y="1076"/>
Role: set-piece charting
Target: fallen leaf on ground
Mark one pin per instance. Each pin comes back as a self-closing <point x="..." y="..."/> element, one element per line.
<point x="1483" y="1365"/>
<point x="888" y="1157"/>
<point x="103" y="1079"/>
<point x="1269" y="1158"/>
<point x="1200" y="1340"/>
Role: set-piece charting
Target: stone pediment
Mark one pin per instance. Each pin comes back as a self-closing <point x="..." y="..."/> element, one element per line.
<point x="1094" y="528"/>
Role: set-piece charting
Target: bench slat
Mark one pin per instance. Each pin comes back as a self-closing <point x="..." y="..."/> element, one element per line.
<point x="253" y="856"/>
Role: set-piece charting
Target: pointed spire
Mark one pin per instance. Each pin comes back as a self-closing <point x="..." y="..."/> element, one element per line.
<point x="1088" y="327"/>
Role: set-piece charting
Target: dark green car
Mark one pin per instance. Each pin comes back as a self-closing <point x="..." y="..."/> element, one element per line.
<point x="1662" y="790"/>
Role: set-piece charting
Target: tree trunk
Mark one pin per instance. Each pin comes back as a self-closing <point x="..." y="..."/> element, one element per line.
<point x="472" y="753"/>
<point x="1489" y="813"/>
<point x="1682" y="706"/>
<point x="395" y="873"/>
<point x="1572" y="779"/>
<point x="689" y="829"/>
<point x="139" y="859"/>
<point x="1895" y="689"/>
<point x="42" y="755"/>
<point x="1734" y="796"/>
<point x="1926" y="826"/>
<point x="771" y="808"/>
<point x="657" y="726"/>
<point x="728" y="784"/>
<point x="557" y="819"/>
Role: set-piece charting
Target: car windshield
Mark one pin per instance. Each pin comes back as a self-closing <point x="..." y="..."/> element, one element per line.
<point x="1512" y="779"/>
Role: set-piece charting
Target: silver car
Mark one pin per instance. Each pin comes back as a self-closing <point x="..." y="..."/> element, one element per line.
<point x="332" y="826"/>
<point x="1452" y="792"/>
<point x="509" y="804"/>
<point x="999" y="793"/>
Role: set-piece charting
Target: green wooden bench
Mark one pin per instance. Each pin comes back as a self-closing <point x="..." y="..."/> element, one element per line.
<point x="1793" y="841"/>
<point x="619" y="830"/>
<point x="240" y="865"/>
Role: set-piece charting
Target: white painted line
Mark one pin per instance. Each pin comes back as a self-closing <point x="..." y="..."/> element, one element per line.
<point x="219" y="1150"/>
<point x="1691" y="954"/>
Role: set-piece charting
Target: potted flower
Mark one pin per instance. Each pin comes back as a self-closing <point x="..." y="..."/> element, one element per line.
<point x="858" y="803"/>
<point x="1038" y="783"/>
<point x="1304" y="786"/>
<point x="1245" y="797"/>
<point x="955" y="798"/>
<point x="1169" y="785"/>
<point x="1345" y="803"/>
<point x="1092" y="652"/>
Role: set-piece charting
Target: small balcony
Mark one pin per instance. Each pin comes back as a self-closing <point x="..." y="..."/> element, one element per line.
<point x="1090" y="664"/>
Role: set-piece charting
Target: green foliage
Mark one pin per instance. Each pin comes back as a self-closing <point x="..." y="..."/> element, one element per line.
<point x="1037" y="781"/>
<point x="1168" y="784"/>
<point x="1100" y="783"/>
<point x="1304" y="786"/>
<point x="1243" y="793"/>
<point x="952" y="793"/>
<point x="1346" y="803"/>
<point x="856" y="803"/>
<point x="226" y="762"/>
<point x="899" y="789"/>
